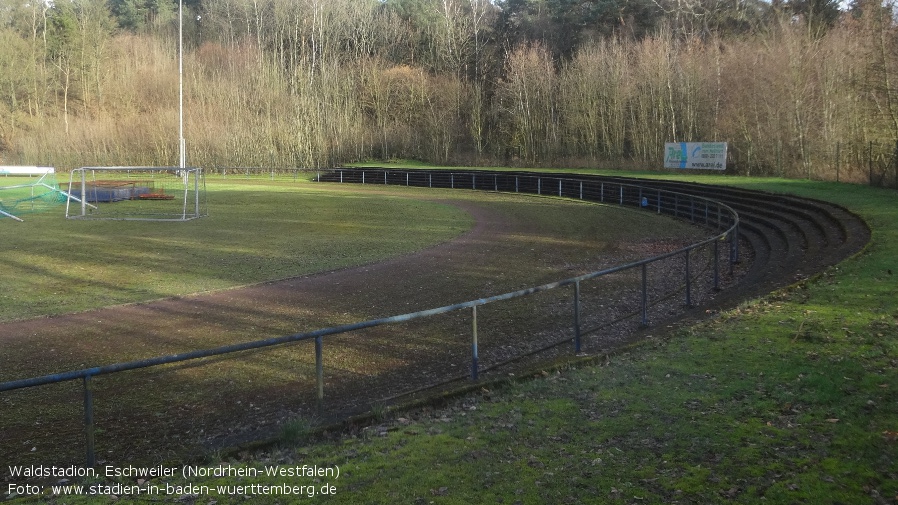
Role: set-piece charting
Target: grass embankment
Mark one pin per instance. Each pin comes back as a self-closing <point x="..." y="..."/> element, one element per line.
<point x="257" y="230"/>
<point x="792" y="398"/>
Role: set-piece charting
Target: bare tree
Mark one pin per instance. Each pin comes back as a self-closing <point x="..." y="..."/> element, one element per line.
<point x="529" y="105"/>
<point x="594" y="95"/>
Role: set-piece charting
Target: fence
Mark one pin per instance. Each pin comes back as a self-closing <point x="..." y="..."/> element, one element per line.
<point x="699" y="210"/>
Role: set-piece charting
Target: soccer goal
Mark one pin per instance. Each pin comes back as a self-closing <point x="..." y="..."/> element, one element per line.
<point x="26" y="190"/>
<point x="136" y="193"/>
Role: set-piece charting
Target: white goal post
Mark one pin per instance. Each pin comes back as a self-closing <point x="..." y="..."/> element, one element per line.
<point x="136" y="193"/>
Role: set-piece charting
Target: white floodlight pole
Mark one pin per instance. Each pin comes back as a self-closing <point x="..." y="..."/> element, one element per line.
<point x="181" y="144"/>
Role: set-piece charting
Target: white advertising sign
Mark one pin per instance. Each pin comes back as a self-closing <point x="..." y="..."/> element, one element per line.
<point x="696" y="155"/>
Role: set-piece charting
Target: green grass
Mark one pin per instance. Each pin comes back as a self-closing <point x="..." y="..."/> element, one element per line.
<point x="257" y="230"/>
<point x="792" y="398"/>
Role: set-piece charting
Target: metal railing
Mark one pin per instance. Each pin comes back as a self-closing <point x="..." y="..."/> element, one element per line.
<point x="702" y="211"/>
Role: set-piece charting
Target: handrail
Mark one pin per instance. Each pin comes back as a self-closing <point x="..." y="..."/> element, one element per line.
<point x="731" y="232"/>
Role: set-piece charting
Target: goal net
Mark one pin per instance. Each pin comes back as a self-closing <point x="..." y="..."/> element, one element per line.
<point x="136" y="193"/>
<point x="26" y="190"/>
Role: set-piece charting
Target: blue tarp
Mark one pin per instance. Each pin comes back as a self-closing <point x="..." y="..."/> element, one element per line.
<point x="105" y="195"/>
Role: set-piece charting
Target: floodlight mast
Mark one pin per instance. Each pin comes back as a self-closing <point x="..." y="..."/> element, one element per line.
<point x="181" y="143"/>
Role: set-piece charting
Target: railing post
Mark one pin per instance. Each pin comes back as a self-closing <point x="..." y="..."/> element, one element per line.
<point x="539" y="185"/>
<point x="429" y="180"/>
<point x="602" y="192"/>
<point x="717" y="264"/>
<point x="385" y="177"/>
<point x="363" y="177"/>
<point x="577" y="345"/>
<point x="659" y="201"/>
<point x="516" y="184"/>
<point x="737" y="243"/>
<point x="341" y="177"/>
<point x="621" y="194"/>
<point x="473" y="181"/>
<point x="732" y="250"/>
<point x="496" y="183"/>
<point x="559" y="187"/>
<point x="645" y="295"/>
<point x="581" y="190"/>
<point x="688" y="281"/>
<point x="319" y="375"/>
<point x="89" y="421"/>
<point x="474" y="344"/>
<point x="452" y="181"/>
<point x="406" y="178"/>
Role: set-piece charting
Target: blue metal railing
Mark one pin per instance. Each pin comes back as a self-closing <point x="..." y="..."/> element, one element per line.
<point x="703" y="211"/>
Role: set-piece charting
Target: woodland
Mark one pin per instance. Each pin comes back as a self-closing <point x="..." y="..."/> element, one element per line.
<point x="797" y="88"/>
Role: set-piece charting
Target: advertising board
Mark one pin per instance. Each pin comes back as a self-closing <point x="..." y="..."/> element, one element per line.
<point x="696" y="155"/>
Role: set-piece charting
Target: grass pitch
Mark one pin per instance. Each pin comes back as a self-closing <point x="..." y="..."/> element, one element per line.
<point x="257" y="230"/>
